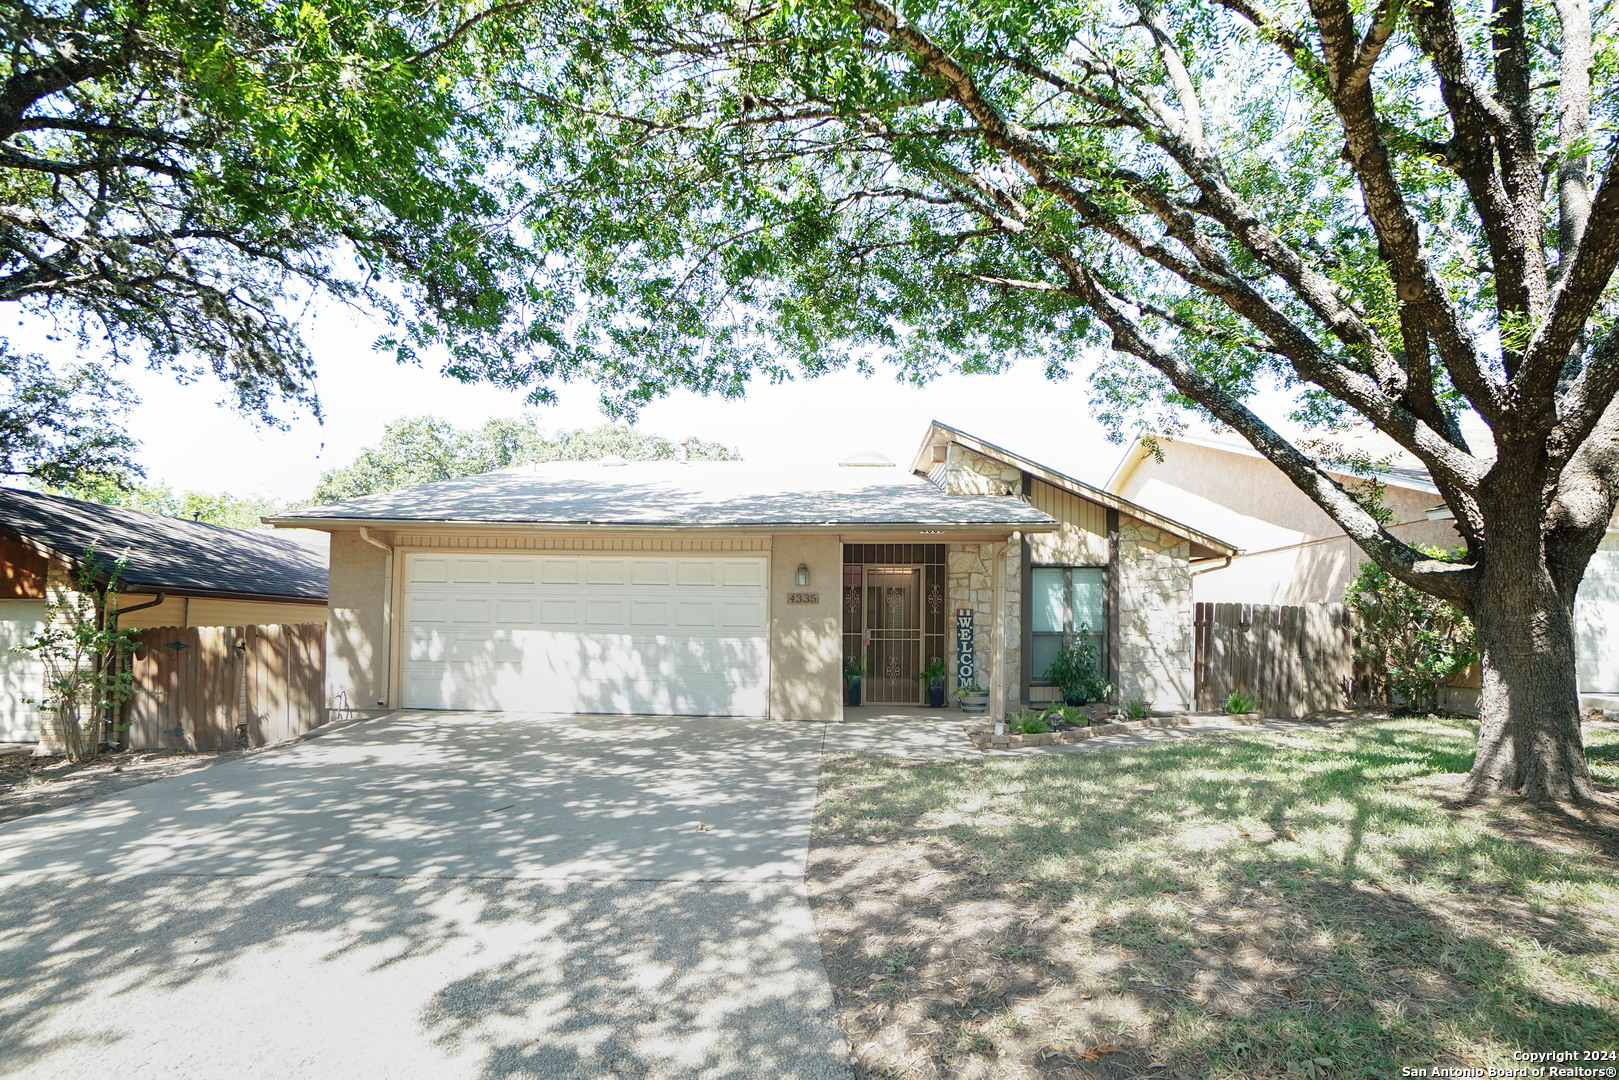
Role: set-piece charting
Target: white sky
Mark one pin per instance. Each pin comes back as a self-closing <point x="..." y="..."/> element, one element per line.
<point x="193" y="442"/>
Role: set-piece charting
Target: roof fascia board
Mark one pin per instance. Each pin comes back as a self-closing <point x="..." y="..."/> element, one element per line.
<point x="751" y="528"/>
<point x="148" y="588"/>
<point x="1086" y="491"/>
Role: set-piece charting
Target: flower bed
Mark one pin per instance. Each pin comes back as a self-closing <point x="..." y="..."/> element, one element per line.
<point x="988" y="740"/>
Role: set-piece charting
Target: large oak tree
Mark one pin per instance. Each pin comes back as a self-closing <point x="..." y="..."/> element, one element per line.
<point x="1400" y="210"/>
<point x="179" y="179"/>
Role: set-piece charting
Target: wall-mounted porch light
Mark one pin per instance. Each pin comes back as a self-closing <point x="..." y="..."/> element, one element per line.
<point x="802" y="577"/>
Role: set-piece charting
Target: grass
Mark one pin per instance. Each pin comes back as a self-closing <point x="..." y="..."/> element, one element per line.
<point x="1253" y="904"/>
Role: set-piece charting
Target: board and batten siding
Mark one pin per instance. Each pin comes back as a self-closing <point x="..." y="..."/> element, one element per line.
<point x="1082" y="536"/>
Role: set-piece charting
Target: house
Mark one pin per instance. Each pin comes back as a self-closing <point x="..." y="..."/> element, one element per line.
<point x="726" y="588"/>
<point x="1293" y="553"/>
<point x="178" y="573"/>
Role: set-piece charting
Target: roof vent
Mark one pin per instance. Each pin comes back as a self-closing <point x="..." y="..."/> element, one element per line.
<point x="867" y="459"/>
<point x="612" y="460"/>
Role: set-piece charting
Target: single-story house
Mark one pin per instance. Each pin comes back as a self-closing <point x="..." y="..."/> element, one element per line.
<point x="726" y="588"/>
<point x="1293" y="553"/>
<point x="177" y="573"/>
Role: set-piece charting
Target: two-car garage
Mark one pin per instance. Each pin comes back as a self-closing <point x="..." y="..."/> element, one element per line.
<point x="671" y="634"/>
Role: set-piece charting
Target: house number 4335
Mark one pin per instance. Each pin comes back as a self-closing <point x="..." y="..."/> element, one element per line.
<point x="803" y="598"/>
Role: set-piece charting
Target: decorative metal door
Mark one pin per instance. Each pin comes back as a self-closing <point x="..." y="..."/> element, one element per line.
<point x="894" y="631"/>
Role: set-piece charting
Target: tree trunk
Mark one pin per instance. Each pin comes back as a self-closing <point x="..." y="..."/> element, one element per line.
<point x="1529" y="741"/>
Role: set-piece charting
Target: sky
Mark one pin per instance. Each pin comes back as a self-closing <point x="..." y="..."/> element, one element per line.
<point x="193" y="442"/>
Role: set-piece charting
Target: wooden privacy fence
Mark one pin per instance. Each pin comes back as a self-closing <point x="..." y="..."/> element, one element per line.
<point x="1294" y="659"/>
<point x="219" y="687"/>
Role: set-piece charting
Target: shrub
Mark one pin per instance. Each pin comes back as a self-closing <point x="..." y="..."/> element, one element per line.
<point x="1028" y="724"/>
<point x="1240" y="702"/>
<point x="1136" y="709"/>
<point x="1412" y="641"/>
<point x="1075" y="672"/>
<point x="82" y="651"/>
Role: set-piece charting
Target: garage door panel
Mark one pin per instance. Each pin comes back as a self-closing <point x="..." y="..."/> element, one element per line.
<point x="471" y="610"/>
<point x="554" y="571"/>
<point x="428" y="609"/>
<point x="515" y="571"/>
<point x="472" y="571"/>
<point x="695" y="572"/>
<point x="613" y="634"/>
<point x="518" y="611"/>
<point x="604" y="571"/>
<point x="649" y="571"/>
<point x="425" y="569"/>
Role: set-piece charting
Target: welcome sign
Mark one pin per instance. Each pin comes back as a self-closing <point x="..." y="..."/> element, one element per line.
<point x="964" y="647"/>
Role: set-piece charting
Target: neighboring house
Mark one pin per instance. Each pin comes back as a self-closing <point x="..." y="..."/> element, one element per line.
<point x="178" y="573"/>
<point x="725" y="588"/>
<point x="1293" y="553"/>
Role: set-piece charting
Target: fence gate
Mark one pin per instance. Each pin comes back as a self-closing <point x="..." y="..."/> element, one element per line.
<point x="1294" y="659"/>
<point x="221" y="687"/>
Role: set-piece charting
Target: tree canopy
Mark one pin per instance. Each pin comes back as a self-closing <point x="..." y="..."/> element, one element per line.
<point x="422" y="449"/>
<point x="179" y="179"/>
<point x="215" y="508"/>
<point x="63" y="428"/>
<point x="1398" y="211"/>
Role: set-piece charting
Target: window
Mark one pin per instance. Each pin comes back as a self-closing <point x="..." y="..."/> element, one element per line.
<point x="1065" y="602"/>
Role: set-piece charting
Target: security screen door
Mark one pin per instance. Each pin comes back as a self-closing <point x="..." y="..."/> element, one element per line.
<point x="894" y="629"/>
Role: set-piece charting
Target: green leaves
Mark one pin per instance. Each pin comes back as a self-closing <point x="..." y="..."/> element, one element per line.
<point x="423" y="449"/>
<point x="203" y="169"/>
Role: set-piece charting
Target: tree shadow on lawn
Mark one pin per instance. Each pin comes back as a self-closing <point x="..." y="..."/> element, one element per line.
<point x="1246" y="905"/>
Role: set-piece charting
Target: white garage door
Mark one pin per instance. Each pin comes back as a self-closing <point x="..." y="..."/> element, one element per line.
<point x="1596" y="620"/>
<point x="662" y="634"/>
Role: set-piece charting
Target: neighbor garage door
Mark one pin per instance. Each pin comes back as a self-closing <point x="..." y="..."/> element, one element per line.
<point x="663" y="634"/>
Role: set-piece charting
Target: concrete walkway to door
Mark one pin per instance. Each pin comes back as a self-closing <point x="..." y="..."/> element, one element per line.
<point x="431" y="895"/>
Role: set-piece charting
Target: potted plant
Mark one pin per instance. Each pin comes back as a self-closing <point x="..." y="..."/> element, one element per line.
<point x="1075" y="673"/>
<point x="852" y="670"/>
<point x="973" y="698"/>
<point x="933" y="675"/>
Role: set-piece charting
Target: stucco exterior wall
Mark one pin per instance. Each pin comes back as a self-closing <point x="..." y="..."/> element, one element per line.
<point x="1155" y="616"/>
<point x="806" y="640"/>
<point x="356" y="637"/>
<point x="1293" y="552"/>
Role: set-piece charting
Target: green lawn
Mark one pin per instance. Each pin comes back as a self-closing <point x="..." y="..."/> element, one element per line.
<point x="1234" y="905"/>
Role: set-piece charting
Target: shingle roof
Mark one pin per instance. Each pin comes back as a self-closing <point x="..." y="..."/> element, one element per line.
<point x="167" y="553"/>
<point x="696" y="494"/>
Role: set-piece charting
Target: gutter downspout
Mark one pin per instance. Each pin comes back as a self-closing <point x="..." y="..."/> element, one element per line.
<point x="387" y="614"/>
<point x="141" y="607"/>
<point x="1207" y="569"/>
<point x="119" y="659"/>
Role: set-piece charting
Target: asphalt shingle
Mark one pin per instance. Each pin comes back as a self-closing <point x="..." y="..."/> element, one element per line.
<point x="698" y="494"/>
<point x="169" y="553"/>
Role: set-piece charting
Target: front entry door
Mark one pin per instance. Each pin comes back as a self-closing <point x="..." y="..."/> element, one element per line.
<point x="894" y="630"/>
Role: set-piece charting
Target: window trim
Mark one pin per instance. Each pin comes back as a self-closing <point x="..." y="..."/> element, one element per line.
<point x="1068" y="631"/>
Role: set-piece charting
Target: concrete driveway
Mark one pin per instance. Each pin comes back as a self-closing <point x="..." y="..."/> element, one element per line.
<point x="431" y="895"/>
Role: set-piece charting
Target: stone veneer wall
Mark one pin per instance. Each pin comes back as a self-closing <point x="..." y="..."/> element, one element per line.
<point x="968" y="570"/>
<point x="969" y="574"/>
<point x="967" y="472"/>
<point x="1155" y="616"/>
